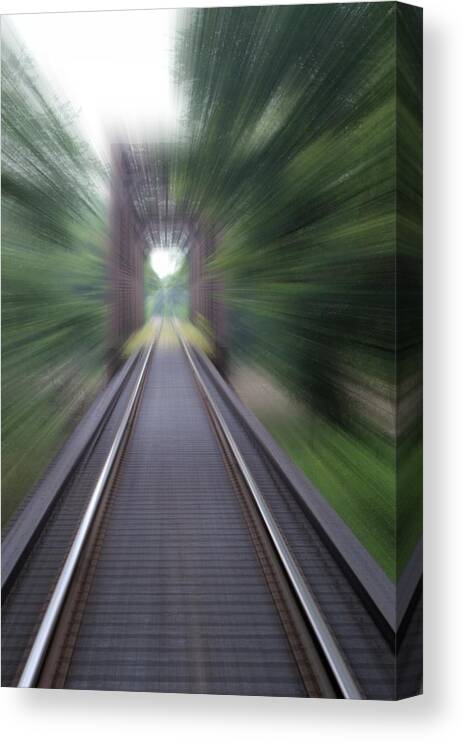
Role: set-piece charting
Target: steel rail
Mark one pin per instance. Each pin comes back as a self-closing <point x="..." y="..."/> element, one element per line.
<point x="343" y="675"/>
<point x="43" y="637"/>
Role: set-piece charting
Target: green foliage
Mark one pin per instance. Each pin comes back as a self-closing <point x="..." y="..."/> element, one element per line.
<point x="302" y="159"/>
<point x="152" y="287"/>
<point x="171" y="297"/>
<point x="292" y="160"/>
<point x="53" y="274"/>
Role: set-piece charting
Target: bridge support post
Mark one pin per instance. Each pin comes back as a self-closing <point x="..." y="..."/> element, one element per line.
<point x="125" y="261"/>
<point x="206" y="296"/>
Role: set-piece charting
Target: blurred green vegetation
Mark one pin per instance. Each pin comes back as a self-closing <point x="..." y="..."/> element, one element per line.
<point x="293" y="161"/>
<point x="152" y="286"/>
<point x="53" y="274"/>
<point x="172" y="298"/>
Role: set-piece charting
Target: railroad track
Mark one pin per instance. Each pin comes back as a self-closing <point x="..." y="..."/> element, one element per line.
<point x="178" y="576"/>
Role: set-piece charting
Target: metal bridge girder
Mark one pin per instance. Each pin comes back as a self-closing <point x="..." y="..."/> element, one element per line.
<point x="129" y="235"/>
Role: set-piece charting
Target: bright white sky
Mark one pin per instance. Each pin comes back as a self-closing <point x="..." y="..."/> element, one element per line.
<point x="165" y="261"/>
<point x="113" y="67"/>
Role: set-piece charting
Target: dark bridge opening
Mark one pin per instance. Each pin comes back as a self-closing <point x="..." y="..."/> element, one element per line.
<point x="145" y="215"/>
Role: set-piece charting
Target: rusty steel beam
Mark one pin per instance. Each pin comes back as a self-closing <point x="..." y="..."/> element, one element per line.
<point x="125" y="260"/>
<point x="135" y="223"/>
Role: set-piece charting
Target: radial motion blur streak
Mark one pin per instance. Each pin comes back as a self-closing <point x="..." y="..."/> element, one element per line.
<point x="284" y="160"/>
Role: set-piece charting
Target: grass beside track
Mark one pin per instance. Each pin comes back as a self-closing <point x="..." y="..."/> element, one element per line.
<point x="355" y="474"/>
